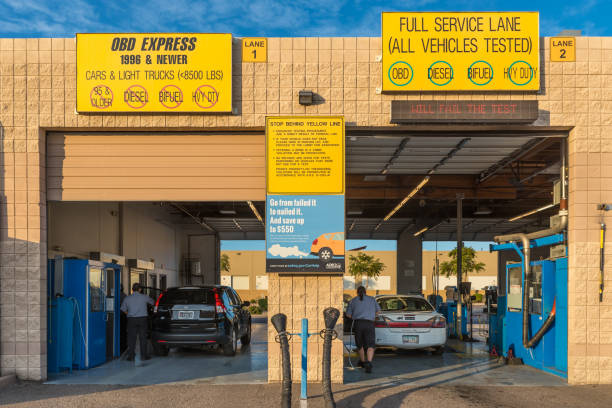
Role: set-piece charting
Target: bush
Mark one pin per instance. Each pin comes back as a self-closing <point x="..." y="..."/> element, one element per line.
<point x="263" y="303"/>
<point x="254" y="309"/>
<point x="478" y="298"/>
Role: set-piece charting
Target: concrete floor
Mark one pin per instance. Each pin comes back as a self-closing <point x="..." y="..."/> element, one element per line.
<point x="462" y="364"/>
<point x="184" y="366"/>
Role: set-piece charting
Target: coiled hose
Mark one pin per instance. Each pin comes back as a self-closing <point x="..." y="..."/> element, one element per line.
<point x="330" y="316"/>
<point x="279" y="321"/>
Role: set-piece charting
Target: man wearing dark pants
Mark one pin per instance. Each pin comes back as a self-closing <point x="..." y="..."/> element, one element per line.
<point x="135" y="306"/>
<point x="363" y="310"/>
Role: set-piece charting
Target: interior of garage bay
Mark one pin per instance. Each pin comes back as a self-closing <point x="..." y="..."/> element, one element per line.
<point x="160" y="204"/>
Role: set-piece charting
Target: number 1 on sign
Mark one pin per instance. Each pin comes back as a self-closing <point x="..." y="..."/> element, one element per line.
<point x="254" y="54"/>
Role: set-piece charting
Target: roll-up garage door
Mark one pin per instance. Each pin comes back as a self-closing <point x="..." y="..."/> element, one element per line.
<point x="155" y="167"/>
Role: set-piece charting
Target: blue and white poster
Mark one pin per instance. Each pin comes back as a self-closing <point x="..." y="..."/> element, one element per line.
<point x="305" y="233"/>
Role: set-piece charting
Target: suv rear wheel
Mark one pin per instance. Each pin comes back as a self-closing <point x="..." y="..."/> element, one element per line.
<point x="229" y="349"/>
<point x="246" y="339"/>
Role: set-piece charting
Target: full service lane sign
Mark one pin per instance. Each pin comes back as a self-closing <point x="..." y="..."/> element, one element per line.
<point x="154" y="72"/>
<point x="461" y="51"/>
<point x="305" y="155"/>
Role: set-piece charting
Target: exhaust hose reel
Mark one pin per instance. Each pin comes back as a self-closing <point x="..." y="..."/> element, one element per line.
<point x="279" y="321"/>
<point x="330" y="316"/>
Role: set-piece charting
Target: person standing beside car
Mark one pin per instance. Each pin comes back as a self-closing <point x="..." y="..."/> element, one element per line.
<point x="135" y="306"/>
<point x="363" y="310"/>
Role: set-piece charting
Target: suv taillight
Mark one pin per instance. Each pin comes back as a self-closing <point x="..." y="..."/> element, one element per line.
<point x="315" y="241"/>
<point x="219" y="306"/>
<point x="437" y="322"/>
<point x="157" y="302"/>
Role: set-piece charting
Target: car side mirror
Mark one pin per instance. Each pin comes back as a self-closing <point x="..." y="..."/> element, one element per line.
<point x="246" y="304"/>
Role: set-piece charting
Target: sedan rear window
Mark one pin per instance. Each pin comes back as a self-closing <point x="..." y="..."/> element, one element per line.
<point x="404" y="304"/>
<point x="188" y="297"/>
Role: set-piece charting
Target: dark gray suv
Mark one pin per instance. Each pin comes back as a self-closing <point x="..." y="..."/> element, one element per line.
<point x="200" y="315"/>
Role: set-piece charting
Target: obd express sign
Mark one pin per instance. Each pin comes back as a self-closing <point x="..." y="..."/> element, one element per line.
<point x="461" y="51"/>
<point x="154" y="72"/>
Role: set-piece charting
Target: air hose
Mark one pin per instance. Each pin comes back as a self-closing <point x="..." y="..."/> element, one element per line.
<point x="279" y="321"/>
<point x="547" y="323"/>
<point x="330" y="316"/>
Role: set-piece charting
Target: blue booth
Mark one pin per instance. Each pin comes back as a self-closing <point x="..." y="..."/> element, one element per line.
<point x="547" y="296"/>
<point x="84" y="296"/>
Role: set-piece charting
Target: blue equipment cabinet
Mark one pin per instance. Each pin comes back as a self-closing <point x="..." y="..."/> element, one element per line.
<point x="91" y="289"/>
<point x="548" y="290"/>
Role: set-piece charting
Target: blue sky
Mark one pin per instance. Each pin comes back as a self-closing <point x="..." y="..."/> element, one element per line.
<point x="35" y="18"/>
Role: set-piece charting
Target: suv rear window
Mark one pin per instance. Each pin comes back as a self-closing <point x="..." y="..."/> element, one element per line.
<point x="188" y="297"/>
<point x="404" y="304"/>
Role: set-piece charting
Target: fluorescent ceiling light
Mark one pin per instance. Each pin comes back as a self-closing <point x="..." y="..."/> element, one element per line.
<point x="354" y="212"/>
<point x="254" y="209"/>
<point x="419" y="232"/>
<point x="408" y="197"/>
<point x="528" y="213"/>
<point x="227" y="212"/>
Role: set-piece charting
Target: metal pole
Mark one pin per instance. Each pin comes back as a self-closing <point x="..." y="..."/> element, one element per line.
<point x="459" y="263"/>
<point x="304" y="335"/>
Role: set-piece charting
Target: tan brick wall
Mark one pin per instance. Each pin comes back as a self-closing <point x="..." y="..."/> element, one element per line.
<point x="304" y="297"/>
<point x="38" y="90"/>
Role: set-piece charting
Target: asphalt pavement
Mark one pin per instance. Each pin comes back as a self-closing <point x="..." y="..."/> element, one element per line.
<point x="386" y="395"/>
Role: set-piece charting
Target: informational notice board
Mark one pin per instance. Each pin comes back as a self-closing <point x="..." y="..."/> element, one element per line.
<point x="154" y="72"/>
<point x="305" y="195"/>
<point x="460" y="51"/>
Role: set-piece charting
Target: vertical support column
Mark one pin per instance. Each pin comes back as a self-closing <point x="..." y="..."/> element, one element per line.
<point x="459" y="262"/>
<point x="409" y="263"/>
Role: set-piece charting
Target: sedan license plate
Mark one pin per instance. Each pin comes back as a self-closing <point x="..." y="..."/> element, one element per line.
<point x="410" y="339"/>
<point x="186" y="315"/>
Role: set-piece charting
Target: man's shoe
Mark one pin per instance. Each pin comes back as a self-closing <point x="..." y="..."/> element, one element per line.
<point x="130" y="359"/>
<point x="361" y="364"/>
<point x="368" y="367"/>
<point x="146" y="358"/>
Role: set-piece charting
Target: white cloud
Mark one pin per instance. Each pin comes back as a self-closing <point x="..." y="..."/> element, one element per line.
<point x="285" y="252"/>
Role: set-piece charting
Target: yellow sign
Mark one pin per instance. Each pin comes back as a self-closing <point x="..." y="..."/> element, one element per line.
<point x="562" y="49"/>
<point x="254" y="50"/>
<point x="460" y="51"/>
<point x="154" y="72"/>
<point x="305" y="154"/>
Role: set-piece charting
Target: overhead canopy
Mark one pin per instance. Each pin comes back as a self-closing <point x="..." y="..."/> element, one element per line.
<point x="501" y="171"/>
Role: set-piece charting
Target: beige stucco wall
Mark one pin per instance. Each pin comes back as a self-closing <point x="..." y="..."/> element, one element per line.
<point x="37" y="92"/>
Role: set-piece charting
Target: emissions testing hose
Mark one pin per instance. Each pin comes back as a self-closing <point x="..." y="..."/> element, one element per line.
<point x="330" y="316"/>
<point x="279" y="321"/>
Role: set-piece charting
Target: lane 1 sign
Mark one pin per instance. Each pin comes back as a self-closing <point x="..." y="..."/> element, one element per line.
<point x="254" y="49"/>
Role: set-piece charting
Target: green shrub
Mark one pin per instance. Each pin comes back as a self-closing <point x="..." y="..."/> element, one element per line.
<point x="263" y="303"/>
<point x="478" y="298"/>
<point x="254" y="309"/>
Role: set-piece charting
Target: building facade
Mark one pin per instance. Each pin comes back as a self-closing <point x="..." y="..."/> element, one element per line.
<point x="38" y="97"/>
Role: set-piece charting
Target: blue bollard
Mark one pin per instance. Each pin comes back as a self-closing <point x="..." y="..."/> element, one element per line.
<point x="304" y="335"/>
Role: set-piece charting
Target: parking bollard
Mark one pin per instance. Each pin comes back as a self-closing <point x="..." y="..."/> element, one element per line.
<point x="279" y="321"/>
<point x="331" y="316"/>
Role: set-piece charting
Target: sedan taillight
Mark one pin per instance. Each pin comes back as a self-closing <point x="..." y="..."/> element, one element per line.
<point x="315" y="241"/>
<point x="437" y="322"/>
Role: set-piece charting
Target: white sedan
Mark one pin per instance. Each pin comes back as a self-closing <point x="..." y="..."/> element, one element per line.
<point x="409" y="322"/>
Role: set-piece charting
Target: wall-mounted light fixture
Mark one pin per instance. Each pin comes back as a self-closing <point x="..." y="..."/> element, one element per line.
<point x="306" y="97"/>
